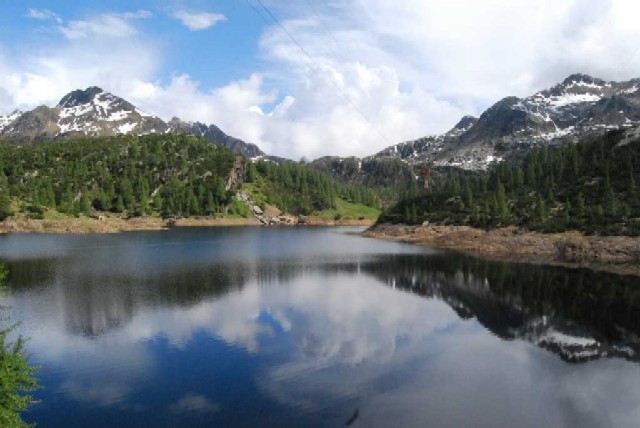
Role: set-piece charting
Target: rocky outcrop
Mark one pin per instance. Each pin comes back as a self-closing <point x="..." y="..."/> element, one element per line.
<point x="236" y="175"/>
<point x="265" y="219"/>
<point x="617" y="253"/>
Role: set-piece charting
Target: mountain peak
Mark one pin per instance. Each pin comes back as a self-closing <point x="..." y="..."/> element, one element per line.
<point x="466" y="122"/>
<point x="79" y="97"/>
<point x="582" y="79"/>
<point x="578" y="106"/>
<point x="96" y="112"/>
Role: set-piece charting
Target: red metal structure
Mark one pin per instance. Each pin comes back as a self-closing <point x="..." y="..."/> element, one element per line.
<point x="426" y="180"/>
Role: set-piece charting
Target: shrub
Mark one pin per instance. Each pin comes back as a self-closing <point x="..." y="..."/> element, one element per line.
<point x="17" y="377"/>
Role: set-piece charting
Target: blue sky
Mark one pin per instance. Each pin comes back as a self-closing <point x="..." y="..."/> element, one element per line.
<point x="380" y="72"/>
<point x="213" y="56"/>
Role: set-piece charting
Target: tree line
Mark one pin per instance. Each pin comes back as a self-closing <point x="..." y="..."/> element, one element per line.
<point x="167" y="175"/>
<point x="589" y="186"/>
<point x="299" y="189"/>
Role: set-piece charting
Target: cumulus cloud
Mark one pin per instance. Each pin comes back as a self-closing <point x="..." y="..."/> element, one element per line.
<point x="413" y="68"/>
<point x="199" y="21"/>
<point x="314" y="120"/>
<point x="380" y="72"/>
<point x="85" y="55"/>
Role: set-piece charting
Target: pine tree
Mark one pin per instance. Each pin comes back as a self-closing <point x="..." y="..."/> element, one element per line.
<point x="17" y="377"/>
<point x="5" y="204"/>
<point x="540" y="209"/>
<point x="468" y="193"/>
<point x="119" y="205"/>
<point x="157" y="201"/>
<point x="144" y="204"/>
<point x="414" y="214"/>
<point x="580" y="206"/>
<point x="84" y="205"/>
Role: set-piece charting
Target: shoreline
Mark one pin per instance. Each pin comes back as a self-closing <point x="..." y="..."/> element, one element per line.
<point x="114" y="224"/>
<point x="616" y="254"/>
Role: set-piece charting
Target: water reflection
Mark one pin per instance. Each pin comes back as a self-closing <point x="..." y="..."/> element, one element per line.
<point x="578" y="314"/>
<point x="274" y="338"/>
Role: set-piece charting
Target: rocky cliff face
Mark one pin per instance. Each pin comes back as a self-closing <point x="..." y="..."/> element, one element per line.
<point x="579" y="106"/>
<point x="94" y="112"/>
<point x="370" y="172"/>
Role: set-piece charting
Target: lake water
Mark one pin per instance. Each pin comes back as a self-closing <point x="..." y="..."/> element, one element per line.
<point x="311" y="327"/>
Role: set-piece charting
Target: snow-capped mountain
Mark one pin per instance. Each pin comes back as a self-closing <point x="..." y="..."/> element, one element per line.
<point x="579" y="106"/>
<point x="95" y="112"/>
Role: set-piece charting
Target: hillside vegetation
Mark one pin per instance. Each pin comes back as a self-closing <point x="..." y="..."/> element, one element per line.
<point x="299" y="189"/>
<point x="591" y="186"/>
<point x="155" y="175"/>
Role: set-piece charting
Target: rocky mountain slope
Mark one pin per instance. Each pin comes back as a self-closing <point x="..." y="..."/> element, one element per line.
<point x="95" y="112"/>
<point x="369" y="172"/>
<point x="579" y="106"/>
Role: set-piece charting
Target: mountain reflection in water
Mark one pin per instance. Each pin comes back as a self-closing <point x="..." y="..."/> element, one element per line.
<point x="275" y="332"/>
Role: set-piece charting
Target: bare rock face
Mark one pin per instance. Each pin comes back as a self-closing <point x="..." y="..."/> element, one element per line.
<point x="95" y="112"/>
<point x="236" y="175"/>
<point x="40" y="122"/>
<point x="214" y="134"/>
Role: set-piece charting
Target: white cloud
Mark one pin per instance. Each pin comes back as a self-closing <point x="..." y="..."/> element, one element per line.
<point x="414" y="67"/>
<point x="37" y="80"/>
<point x="387" y="72"/>
<point x="44" y="14"/>
<point x="199" y="21"/>
<point x="314" y="120"/>
<point x="382" y="72"/>
<point x="109" y="25"/>
<point x="192" y="402"/>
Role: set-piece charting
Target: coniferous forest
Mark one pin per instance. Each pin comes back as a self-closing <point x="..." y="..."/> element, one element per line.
<point x="299" y="189"/>
<point x="591" y="186"/>
<point x="167" y="175"/>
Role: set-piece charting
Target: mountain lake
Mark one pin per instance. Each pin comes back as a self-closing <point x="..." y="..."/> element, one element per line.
<point x="306" y="327"/>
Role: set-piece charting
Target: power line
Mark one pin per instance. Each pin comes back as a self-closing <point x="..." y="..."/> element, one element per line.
<point x="326" y="30"/>
<point x="255" y="9"/>
<point x="319" y="68"/>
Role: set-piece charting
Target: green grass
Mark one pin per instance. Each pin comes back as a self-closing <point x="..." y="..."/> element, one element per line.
<point x="238" y="209"/>
<point x="344" y="209"/>
<point x="349" y="210"/>
<point x="254" y="190"/>
<point x="55" y="215"/>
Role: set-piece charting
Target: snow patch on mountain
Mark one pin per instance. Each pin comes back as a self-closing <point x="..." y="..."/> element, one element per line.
<point x="579" y="106"/>
<point x="125" y="128"/>
<point x="7" y="120"/>
<point x="583" y="84"/>
<point x="570" y="98"/>
<point x="557" y="337"/>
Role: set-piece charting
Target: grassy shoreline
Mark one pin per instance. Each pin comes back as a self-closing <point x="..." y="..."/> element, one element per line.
<point x="618" y="254"/>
